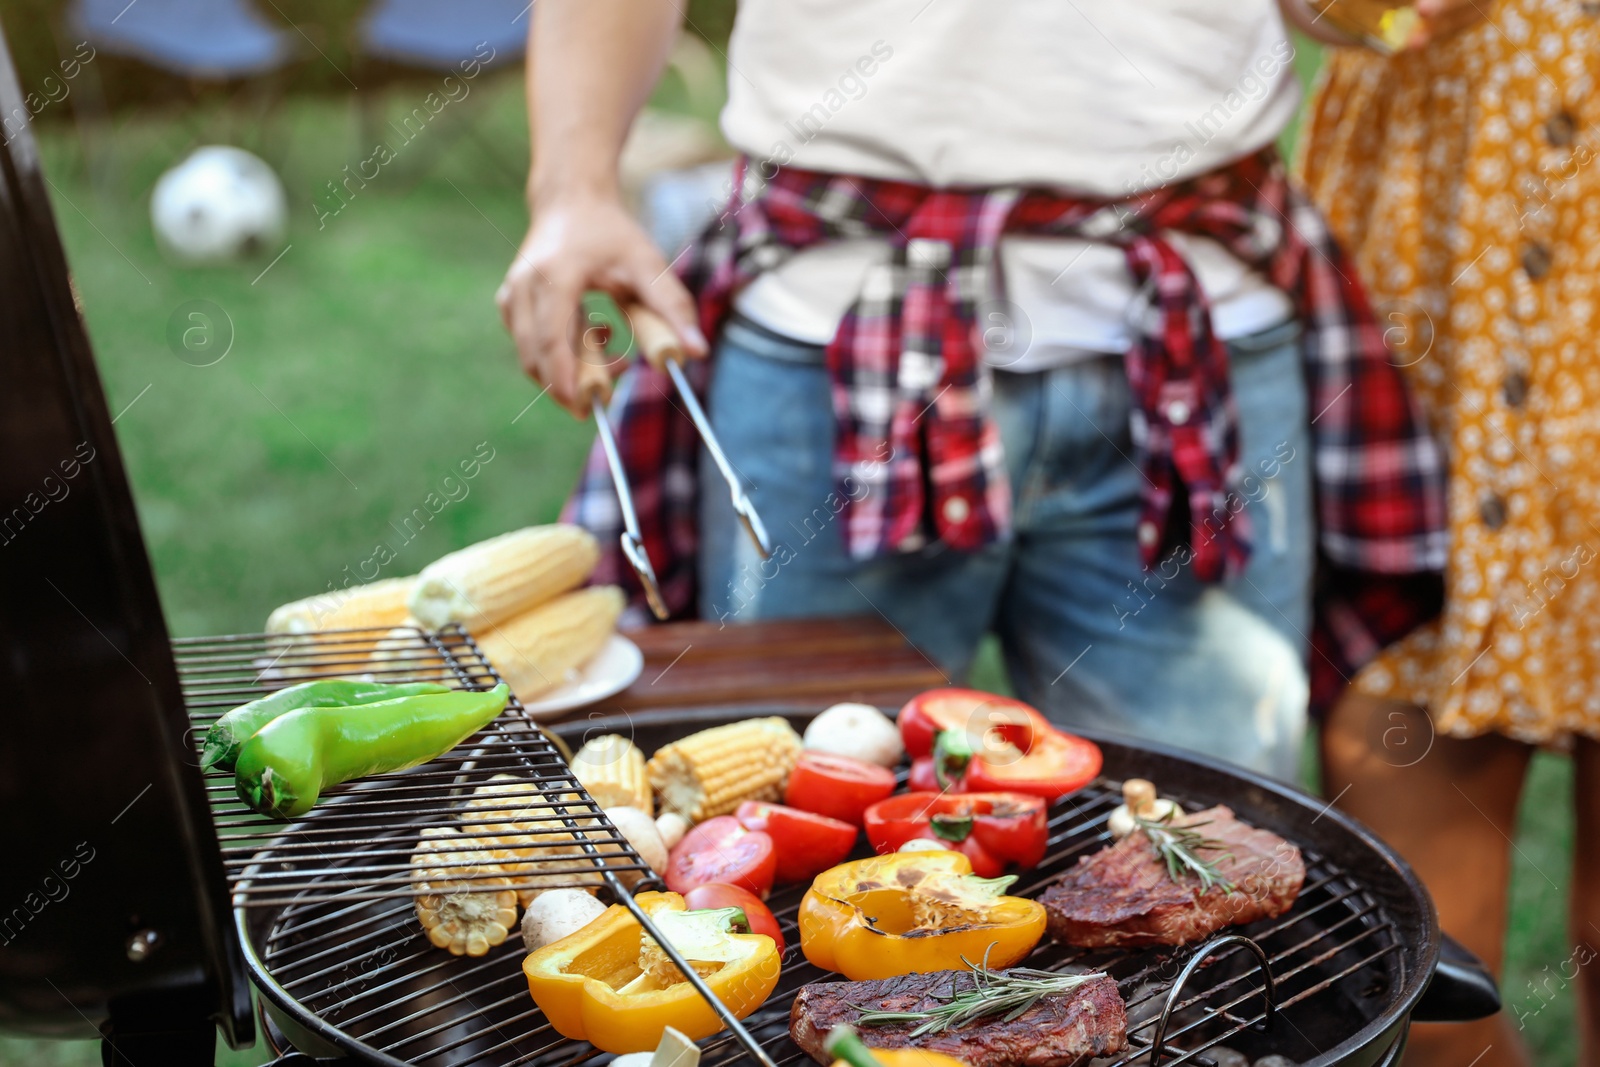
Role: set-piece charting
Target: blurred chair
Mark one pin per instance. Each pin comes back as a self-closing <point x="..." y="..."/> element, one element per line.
<point x="212" y="40"/>
<point x="427" y="35"/>
<point x="202" y="42"/>
<point x="436" y="36"/>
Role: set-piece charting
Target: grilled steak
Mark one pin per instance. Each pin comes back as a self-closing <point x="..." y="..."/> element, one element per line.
<point x="1056" y="1031"/>
<point x="1123" y="895"/>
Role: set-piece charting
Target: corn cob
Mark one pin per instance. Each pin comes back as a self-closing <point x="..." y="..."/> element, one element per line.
<point x="378" y="606"/>
<point x="543" y="648"/>
<point x="530" y="845"/>
<point x="399" y="657"/>
<point x="493" y="580"/>
<point x="611" y="768"/>
<point x="710" y="772"/>
<point x="468" y="916"/>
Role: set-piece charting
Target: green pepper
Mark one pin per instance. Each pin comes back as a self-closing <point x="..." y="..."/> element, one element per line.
<point x="240" y="725"/>
<point x="288" y="763"/>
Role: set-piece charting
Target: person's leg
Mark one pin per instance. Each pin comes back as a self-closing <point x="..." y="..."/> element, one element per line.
<point x="1098" y="642"/>
<point x="771" y="407"/>
<point x="1586" y="895"/>
<point x="1449" y="807"/>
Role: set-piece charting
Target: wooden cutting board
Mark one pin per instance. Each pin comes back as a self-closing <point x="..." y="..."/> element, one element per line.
<point x="794" y="662"/>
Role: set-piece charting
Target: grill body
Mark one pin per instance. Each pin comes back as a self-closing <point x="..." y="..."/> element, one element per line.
<point x="115" y="910"/>
<point x="1352" y="959"/>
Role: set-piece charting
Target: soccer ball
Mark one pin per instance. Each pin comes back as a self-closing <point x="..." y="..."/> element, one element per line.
<point x="219" y="205"/>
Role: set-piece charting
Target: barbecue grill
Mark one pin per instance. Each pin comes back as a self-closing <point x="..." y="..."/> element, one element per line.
<point x="140" y="900"/>
<point x="1349" y="965"/>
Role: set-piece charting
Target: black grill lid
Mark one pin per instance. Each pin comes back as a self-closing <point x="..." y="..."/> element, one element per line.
<point x="113" y="904"/>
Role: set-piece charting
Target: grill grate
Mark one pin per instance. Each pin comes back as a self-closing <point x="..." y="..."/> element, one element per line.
<point x="357" y="843"/>
<point x="327" y="910"/>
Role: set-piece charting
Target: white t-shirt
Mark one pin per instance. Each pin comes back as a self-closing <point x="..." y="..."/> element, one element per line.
<point x="1092" y="97"/>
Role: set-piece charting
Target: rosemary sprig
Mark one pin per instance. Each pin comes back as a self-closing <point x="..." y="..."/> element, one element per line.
<point x="1179" y="847"/>
<point x="1008" y="993"/>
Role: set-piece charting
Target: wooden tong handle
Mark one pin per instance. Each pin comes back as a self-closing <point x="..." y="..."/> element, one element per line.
<point x="657" y="341"/>
<point x="594" y="380"/>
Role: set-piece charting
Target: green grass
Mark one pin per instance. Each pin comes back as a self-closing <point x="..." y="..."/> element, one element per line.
<point x="366" y="364"/>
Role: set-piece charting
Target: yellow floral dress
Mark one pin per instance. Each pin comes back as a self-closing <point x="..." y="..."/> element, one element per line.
<point x="1465" y="178"/>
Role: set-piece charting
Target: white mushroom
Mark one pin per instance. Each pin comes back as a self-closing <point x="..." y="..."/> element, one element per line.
<point x="640" y="830"/>
<point x="671" y="826"/>
<point x="857" y="730"/>
<point x="558" y="913"/>
<point x="1139" y="799"/>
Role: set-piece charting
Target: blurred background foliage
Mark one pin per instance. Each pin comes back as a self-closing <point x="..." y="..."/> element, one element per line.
<point x="369" y="360"/>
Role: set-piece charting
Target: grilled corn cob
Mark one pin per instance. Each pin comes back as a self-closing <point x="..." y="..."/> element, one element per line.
<point x="493" y="580"/>
<point x="468" y="916"/>
<point x="611" y="768"/>
<point x="710" y="772"/>
<point x="378" y="606"/>
<point x="511" y="819"/>
<point x="542" y="649"/>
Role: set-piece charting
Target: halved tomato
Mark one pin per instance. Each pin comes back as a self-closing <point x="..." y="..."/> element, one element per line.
<point x="720" y="850"/>
<point x="837" y="786"/>
<point x="722" y="895"/>
<point x="807" y="843"/>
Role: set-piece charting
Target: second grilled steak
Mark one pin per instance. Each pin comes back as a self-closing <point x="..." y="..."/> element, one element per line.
<point x="1056" y="1031"/>
<point x="1123" y="895"/>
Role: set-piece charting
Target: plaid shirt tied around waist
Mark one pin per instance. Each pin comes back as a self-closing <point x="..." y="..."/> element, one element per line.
<point x="911" y="388"/>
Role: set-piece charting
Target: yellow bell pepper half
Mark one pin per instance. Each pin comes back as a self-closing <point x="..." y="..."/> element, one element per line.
<point x="610" y="985"/>
<point x="914" y="911"/>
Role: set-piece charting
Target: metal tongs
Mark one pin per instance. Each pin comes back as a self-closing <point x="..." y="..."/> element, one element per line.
<point x="657" y="341"/>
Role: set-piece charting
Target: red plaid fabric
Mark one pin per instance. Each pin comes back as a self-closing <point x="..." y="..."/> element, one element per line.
<point x="910" y="388"/>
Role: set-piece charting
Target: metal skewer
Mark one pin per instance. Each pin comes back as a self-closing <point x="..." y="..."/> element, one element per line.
<point x="595" y="383"/>
<point x="659" y="344"/>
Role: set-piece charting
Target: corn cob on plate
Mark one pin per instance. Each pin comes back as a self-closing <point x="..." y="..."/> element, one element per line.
<point x="614" y="668"/>
<point x="503" y="577"/>
<point x="544" y="650"/>
<point x="398" y="657"/>
<point x="302" y="644"/>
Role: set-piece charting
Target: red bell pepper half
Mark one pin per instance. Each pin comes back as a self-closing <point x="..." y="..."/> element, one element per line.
<point x="993" y="830"/>
<point x="963" y="740"/>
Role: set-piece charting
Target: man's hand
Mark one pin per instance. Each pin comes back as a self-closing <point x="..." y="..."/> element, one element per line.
<point x="590" y="68"/>
<point x="576" y="244"/>
<point x="1441" y="18"/>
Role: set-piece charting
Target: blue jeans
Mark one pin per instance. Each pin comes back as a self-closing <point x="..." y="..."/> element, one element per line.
<point x="1090" y="637"/>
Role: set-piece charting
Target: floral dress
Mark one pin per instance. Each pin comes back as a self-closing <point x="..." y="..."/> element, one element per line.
<point x="1465" y="179"/>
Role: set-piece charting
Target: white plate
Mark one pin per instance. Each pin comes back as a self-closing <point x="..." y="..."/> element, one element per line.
<point x="616" y="666"/>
